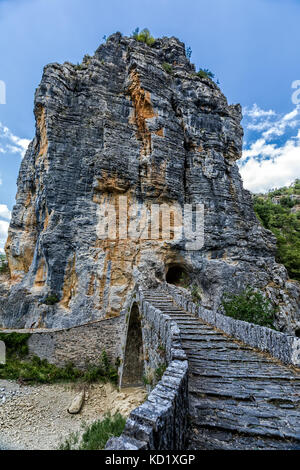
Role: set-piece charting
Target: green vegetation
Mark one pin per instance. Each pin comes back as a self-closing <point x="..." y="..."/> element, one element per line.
<point x="196" y="293"/>
<point x="284" y="224"/>
<point x="167" y="67"/>
<point x="3" y="264"/>
<point x="293" y="189"/>
<point x="52" y="299"/>
<point x="161" y="349"/>
<point x="96" y="435"/>
<point x="146" y="380"/>
<point x="16" y="344"/>
<point x="86" y="59"/>
<point x="78" y="66"/>
<point x="250" y="306"/>
<point x="143" y="36"/>
<point x="19" y="366"/>
<point x="184" y="280"/>
<point x="159" y="371"/>
<point x="148" y="377"/>
<point x="205" y="73"/>
<point x="194" y="289"/>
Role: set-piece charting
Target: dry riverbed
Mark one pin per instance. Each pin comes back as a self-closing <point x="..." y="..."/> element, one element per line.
<point x="36" y="417"/>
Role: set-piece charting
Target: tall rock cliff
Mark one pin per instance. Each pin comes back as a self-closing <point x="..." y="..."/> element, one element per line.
<point x="125" y="124"/>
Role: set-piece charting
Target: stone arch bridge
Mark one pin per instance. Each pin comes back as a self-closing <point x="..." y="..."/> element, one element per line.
<point x="214" y="382"/>
<point x="239" y="383"/>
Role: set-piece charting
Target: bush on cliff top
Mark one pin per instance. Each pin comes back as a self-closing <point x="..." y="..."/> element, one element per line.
<point x="143" y="36"/>
<point x="205" y="73"/>
<point x="250" y="306"/>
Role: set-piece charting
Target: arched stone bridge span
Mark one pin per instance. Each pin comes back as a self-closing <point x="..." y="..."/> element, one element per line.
<point x="237" y="395"/>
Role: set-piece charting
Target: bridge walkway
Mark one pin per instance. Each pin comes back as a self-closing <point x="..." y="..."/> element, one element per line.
<point x="240" y="398"/>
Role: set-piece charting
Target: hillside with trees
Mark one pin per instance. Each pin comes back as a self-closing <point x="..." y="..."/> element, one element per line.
<point x="279" y="211"/>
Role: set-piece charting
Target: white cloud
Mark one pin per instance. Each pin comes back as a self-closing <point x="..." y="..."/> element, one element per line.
<point x="3" y="234"/>
<point x="10" y="143"/>
<point x="260" y="148"/>
<point x="256" y="112"/>
<point x="272" y="157"/>
<point x="259" y="176"/>
<point x="5" y="213"/>
<point x="279" y="127"/>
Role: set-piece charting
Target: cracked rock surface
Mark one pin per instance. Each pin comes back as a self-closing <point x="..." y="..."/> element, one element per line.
<point x="118" y="125"/>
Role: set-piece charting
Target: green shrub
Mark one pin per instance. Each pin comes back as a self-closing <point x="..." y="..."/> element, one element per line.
<point x="287" y="201"/>
<point x="250" y="306"/>
<point x="184" y="280"/>
<point x="36" y="370"/>
<point x="4" y="268"/>
<point x="103" y="371"/>
<point x="15" y="343"/>
<point x="196" y="293"/>
<point x="51" y="299"/>
<point x="285" y="226"/>
<point x="159" y="371"/>
<point x="167" y="68"/>
<point x="86" y="59"/>
<point x="3" y="264"/>
<point x="96" y="435"/>
<point x="205" y="73"/>
<point x="143" y="36"/>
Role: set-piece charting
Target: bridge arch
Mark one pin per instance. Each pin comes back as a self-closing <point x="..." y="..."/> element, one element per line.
<point x="133" y="364"/>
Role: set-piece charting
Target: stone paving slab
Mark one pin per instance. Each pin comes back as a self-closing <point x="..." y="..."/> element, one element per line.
<point x="239" y="398"/>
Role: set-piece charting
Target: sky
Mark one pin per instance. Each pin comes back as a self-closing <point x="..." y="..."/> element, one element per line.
<point x="252" y="47"/>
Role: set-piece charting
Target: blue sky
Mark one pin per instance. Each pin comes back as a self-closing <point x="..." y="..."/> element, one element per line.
<point x="252" y="47"/>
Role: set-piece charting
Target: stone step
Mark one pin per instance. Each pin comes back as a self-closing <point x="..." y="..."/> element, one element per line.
<point x="239" y="398"/>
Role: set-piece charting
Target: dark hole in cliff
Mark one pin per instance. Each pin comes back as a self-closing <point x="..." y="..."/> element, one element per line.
<point x="176" y="275"/>
<point x="133" y="362"/>
<point x="297" y="333"/>
<point x="188" y="145"/>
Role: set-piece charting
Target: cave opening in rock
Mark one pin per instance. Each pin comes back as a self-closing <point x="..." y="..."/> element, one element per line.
<point x="133" y="368"/>
<point x="176" y="275"/>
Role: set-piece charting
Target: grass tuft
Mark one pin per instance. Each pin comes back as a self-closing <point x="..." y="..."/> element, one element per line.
<point x="96" y="435"/>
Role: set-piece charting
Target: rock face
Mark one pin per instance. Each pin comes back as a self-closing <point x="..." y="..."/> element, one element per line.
<point x="119" y="125"/>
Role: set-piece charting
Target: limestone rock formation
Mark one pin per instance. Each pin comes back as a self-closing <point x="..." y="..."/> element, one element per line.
<point x="119" y="125"/>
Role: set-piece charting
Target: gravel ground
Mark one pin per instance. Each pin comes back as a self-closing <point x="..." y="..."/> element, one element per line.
<point x="36" y="417"/>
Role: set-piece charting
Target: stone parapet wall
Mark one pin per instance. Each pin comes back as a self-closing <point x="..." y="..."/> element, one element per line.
<point x="79" y="345"/>
<point x="161" y="422"/>
<point x="282" y="346"/>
